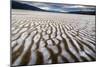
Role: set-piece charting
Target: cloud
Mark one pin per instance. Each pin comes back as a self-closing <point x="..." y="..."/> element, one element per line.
<point x="45" y="8"/>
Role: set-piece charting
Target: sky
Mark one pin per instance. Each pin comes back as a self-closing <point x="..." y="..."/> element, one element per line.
<point x="84" y="2"/>
<point x="59" y="7"/>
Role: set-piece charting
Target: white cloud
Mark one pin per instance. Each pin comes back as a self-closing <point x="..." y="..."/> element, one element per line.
<point x="46" y="8"/>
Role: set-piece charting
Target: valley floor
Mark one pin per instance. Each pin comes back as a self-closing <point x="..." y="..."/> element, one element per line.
<point x="49" y="38"/>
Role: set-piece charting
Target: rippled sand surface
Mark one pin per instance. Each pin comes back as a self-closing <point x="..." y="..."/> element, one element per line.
<point x="49" y="38"/>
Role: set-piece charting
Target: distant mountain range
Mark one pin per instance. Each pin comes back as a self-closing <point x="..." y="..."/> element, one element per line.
<point x="18" y="5"/>
<point x="54" y="8"/>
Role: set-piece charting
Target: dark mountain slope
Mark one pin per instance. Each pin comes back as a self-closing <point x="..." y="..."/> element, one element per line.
<point x="18" y="5"/>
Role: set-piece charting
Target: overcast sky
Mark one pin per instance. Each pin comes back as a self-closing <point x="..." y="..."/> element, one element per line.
<point x="85" y="2"/>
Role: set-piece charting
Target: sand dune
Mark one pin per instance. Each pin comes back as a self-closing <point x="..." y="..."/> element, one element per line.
<point x="45" y="38"/>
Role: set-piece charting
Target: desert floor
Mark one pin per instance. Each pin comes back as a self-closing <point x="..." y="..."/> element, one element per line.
<point x="49" y="38"/>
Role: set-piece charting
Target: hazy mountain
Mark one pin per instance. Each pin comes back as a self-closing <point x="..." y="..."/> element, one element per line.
<point x="18" y="5"/>
<point x="53" y="7"/>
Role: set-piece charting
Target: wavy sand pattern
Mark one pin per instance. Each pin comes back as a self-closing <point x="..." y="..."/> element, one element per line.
<point x="45" y="38"/>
